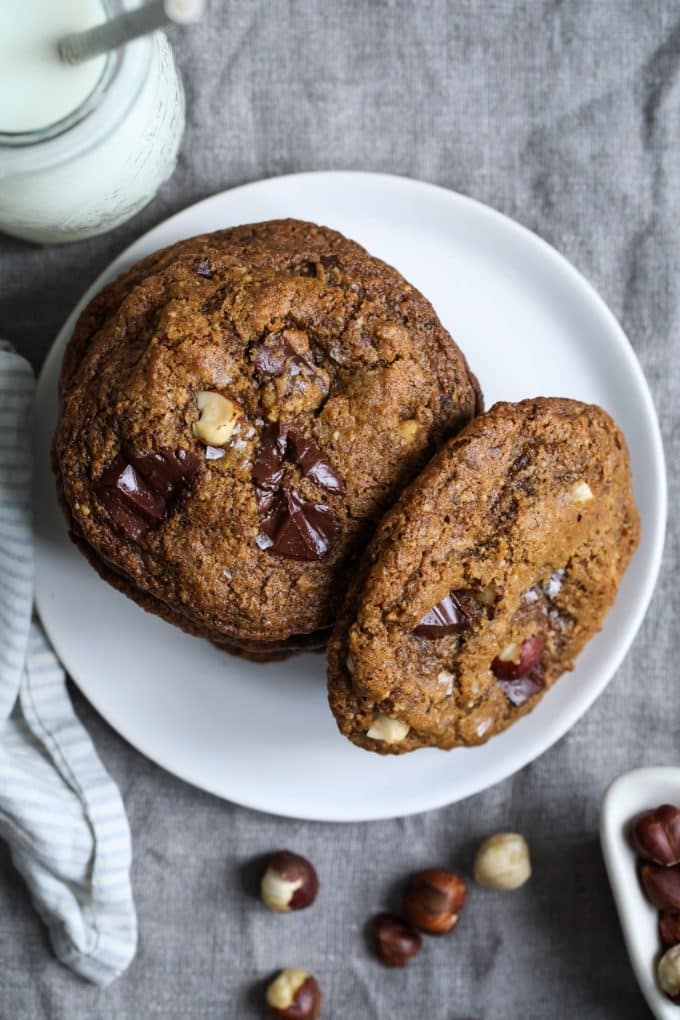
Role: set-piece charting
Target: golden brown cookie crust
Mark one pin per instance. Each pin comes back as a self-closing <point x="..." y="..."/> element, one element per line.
<point x="369" y="376"/>
<point x="528" y="517"/>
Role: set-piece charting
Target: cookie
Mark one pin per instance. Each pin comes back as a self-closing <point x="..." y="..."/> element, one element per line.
<point x="486" y="579"/>
<point x="237" y="411"/>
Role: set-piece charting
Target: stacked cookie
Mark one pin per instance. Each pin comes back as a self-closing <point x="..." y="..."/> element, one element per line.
<point x="238" y="413"/>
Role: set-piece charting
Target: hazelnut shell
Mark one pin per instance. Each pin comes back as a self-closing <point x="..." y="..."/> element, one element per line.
<point x="655" y="835"/>
<point x="396" y="942"/>
<point x="661" y="886"/>
<point x="433" y="900"/>
<point x="669" y="928"/>
<point x="295" y="878"/>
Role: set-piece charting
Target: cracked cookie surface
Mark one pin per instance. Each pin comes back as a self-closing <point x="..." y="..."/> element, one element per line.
<point x="486" y="579"/>
<point x="236" y="413"/>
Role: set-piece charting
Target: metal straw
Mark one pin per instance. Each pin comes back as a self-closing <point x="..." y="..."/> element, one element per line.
<point x="81" y="46"/>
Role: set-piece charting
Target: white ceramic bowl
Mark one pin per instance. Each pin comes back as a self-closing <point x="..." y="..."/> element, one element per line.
<point x="628" y="796"/>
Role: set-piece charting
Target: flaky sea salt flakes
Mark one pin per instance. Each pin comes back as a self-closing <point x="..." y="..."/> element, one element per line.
<point x="263" y="542"/>
<point x="446" y="679"/>
<point x="530" y="596"/>
<point x="553" y="585"/>
<point x="482" y="727"/>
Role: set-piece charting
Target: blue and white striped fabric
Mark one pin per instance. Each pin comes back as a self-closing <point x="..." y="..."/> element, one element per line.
<point x="60" y="811"/>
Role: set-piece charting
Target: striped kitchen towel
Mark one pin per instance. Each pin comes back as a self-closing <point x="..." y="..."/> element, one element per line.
<point x="60" y="811"/>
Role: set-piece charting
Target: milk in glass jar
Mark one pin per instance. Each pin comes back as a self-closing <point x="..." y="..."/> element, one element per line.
<point x="82" y="148"/>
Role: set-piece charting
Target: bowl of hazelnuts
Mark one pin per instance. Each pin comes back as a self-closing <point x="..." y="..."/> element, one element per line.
<point x="640" y="837"/>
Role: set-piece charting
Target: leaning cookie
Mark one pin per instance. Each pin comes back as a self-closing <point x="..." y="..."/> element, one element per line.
<point x="236" y="413"/>
<point x="486" y="579"/>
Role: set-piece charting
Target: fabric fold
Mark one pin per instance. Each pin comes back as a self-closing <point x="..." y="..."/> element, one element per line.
<point x="60" y="812"/>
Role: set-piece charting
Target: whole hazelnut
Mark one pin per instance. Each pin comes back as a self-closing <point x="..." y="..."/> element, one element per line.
<point x="502" y="861"/>
<point x="662" y="886"/>
<point x="515" y="661"/>
<point x="668" y="972"/>
<point x="669" y="927"/>
<point x="655" y="835"/>
<point x="395" y="941"/>
<point x="294" y="995"/>
<point x="433" y="900"/>
<point x="288" y="882"/>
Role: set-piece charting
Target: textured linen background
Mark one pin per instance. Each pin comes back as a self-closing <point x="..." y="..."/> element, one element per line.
<point x="566" y="116"/>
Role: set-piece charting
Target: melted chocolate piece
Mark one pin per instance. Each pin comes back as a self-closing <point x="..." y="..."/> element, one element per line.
<point x="447" y="617"/>
<point x="273" y="355"/>
<point x="314" y="464"/>
<point x="205" y="268"/>
<point x="299" y="529"/>
<point x="519" y="690"/>
<point x="271" y="360"/>
<point x="166" y="471"/>
<point x="139" y="491"/>
<point x="268" y="467"/>
<point x="122" y="494"/>
<point x="265" y="499"/>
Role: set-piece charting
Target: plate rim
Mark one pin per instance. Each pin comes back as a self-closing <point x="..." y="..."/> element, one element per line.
<point x="571" y="713"/>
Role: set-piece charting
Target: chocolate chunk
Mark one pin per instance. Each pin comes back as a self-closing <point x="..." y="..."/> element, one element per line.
<point x="166" y="471"/>
<point x="314" y="464"/>
<point x="268" y="467"/>
<point x="519" y="690"/>
<point x="299" y="529"/>
<point x="127" y="499"/>
<point x="447" y="617"/>
<point x="265" y="498"/>
<point x="139" y="491"/>
<point x="205" y="268"/>
<point x="271" y="360"/>
<point x="277" y="351"/>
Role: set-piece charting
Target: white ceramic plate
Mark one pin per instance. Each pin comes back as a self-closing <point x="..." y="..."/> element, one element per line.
<point x="628" y="796"/>
<point x="263" y="735"/>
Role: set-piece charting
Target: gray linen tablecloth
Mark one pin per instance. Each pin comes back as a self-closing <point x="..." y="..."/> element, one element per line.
<point x="566" y="116"/>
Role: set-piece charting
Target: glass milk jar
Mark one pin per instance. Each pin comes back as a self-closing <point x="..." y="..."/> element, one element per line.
<point x="82" y="149"/>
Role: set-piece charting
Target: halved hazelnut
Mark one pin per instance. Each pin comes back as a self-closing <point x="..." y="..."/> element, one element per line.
<point x="580" y="492"/>
<point x="387" y="729"/>
<point x="219" y="417"/>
